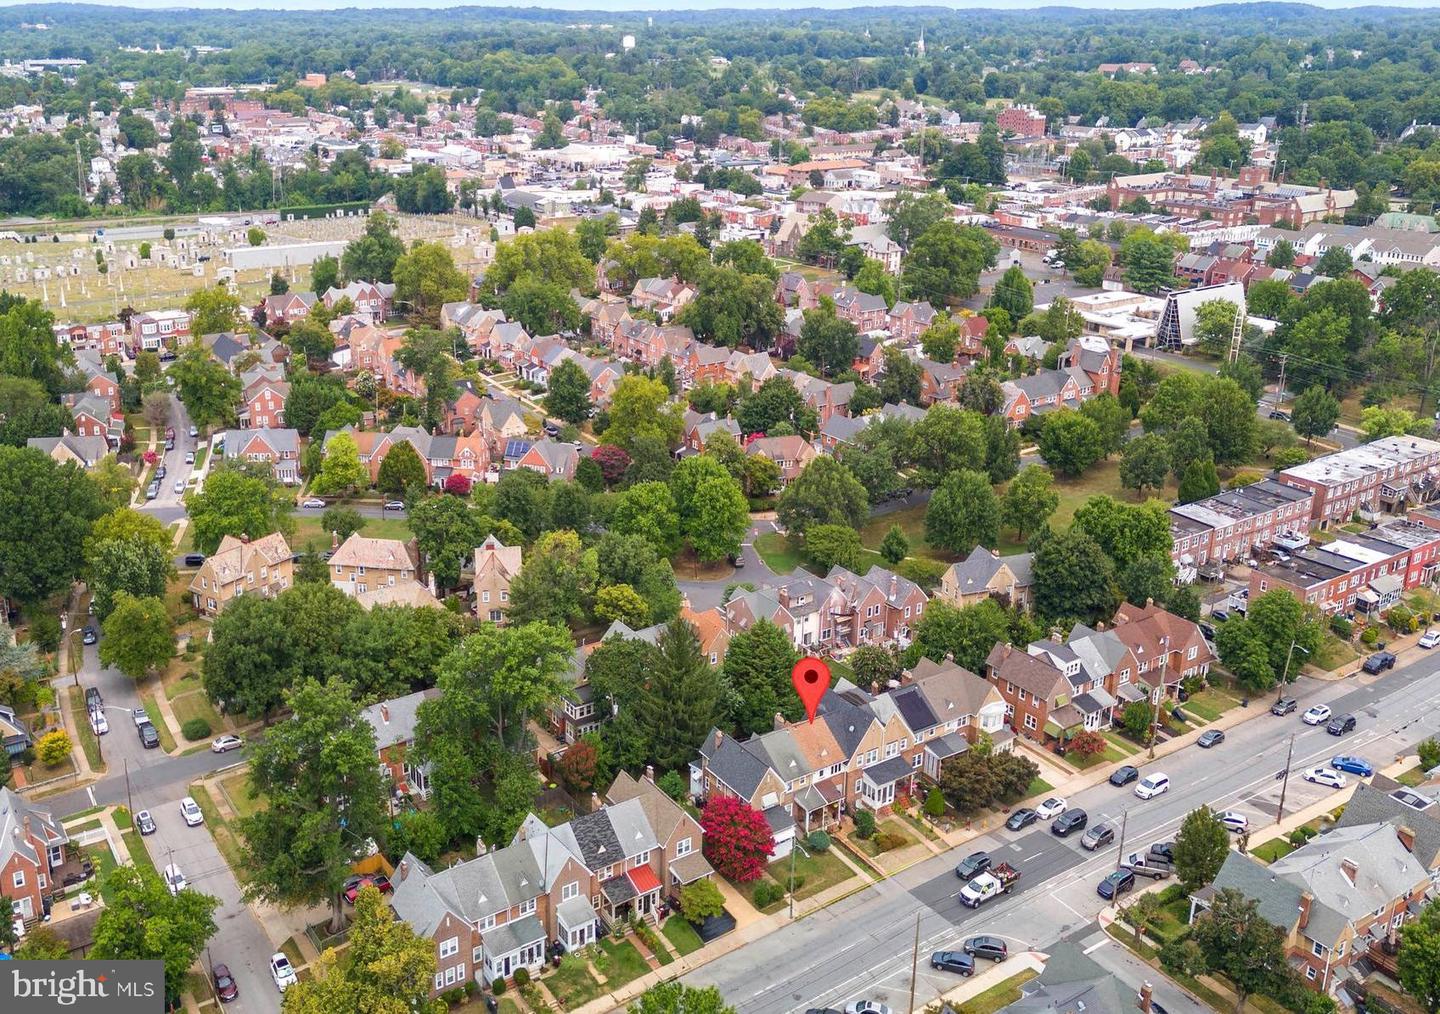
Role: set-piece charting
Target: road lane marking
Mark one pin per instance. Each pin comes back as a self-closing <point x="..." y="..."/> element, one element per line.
<point x="1096" y="946"/>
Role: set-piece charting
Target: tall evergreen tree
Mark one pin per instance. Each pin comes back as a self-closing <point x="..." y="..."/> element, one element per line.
<point x="680" y="703"/>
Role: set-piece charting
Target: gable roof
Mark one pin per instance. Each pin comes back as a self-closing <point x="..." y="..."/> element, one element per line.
<point x="394" y="720"/>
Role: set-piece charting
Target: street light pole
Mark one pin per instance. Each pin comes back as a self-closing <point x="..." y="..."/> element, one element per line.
<point x="1285" y="782"/>
<point x="1285" y="676"/>
<point x="1120" y="852"/>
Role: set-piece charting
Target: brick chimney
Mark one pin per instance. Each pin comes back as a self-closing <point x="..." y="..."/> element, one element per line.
<point x="403" y="870"/>
<point x="1351" y="869"/>
<point x="334" y="540"/>
<point x="1306" y="900"/>
<point x="719" y="738"/>
<point x="1143" y="1001"/>
<point x="594" y="801"/>
<point x="1406" y="834"/>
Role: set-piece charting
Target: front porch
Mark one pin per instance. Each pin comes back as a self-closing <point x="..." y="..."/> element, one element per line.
<point x="878" y="782"/>
<point x="633" y="893"/>
<point x="515" y="945"/>
<point x="821" y="805"/>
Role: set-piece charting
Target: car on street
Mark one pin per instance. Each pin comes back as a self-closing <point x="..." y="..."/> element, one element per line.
<point x="145" y="823"/>
<point x="1430" y="638"/>
<point x="1284" y="706"/>
<point x="140" y="716"/>
<point x="1324" y="776"/>
<point x="1124" y="775"/>
<point x="99" y="723"/>
<point x="225" y="987"/>
<point x="866" y="1007"/>
<point x="1052" y="807"/>
<point x="1318" y="715"/>
<point x="179" y="487"/>
<point x="161" y="472"/>
<point x="194" y="432"/>
<point x="1116" y="884"/>
<point x="194" y="559"/>
<point x="1352" y="765"/>
<point x="1236" y="822"/>
<point x="953" y="961"/>
<point x="972" y="865"/>
<point x="190" y="810"/>
<point x="152" y="490"/>
<point x="394" y="505"/>
<point x="189" y="457"/>
<point x="220" y="744"/>
<point x="1021" y="819"/>
<point x="1340" y="725"/>
<point x="822" y="1010"/>
<point x="1097" y="837"/>
<point x="1275" y="413"/>
<point x="1068" y="822"/>
<point x="1209" y="738"/>
<point x="1153" y="785"/>
<point x="986" y="947"/>
<point x="90" y="636"/>
<point x="174" y="879"/>
<point x="92" y="698"/>
<point x="314" y="503"/>
<point x="1164" y="850"/>
<point x="1379" y="662"/>
<point x="282" y="972"/>
<point x="149" y="738"/>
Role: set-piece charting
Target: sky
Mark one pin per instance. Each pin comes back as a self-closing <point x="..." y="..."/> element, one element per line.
<point x="672" y="5"/>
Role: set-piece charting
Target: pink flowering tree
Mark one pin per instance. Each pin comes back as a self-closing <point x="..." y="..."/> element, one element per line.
<point x="738" y="841"/>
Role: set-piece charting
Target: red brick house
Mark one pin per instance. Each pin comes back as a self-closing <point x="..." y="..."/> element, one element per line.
<point x="394" y="725"/>
<point x="263" y="405"/>
<point x="790" y="453"/>
<point x="32" y="851"/>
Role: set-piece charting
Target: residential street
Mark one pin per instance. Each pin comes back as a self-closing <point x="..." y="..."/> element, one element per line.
<point x="860" y="946"/>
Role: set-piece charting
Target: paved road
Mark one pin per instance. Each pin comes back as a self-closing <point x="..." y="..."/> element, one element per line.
<point x="239" y="942"/>
<point x="860" y="947"/>
<point x="122" y="743"/>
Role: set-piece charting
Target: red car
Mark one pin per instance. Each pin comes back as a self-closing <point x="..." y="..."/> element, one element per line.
<point x="378" y="881"/>
<point x="225" y="987"/>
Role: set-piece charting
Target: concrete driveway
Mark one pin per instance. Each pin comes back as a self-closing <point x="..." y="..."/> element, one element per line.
<point x="239" y="941"/>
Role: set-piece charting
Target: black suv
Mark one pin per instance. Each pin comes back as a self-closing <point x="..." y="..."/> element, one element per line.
<point x="953" y="961"/>
<point x="1284" y="706"/>
<point x="1116" y="884"/>
<point x="149" y="738"/>
<point x="92" y="698"/>
<point x="973" y="865"/>
<point x="988" y="947"/>
<point x="1068" y="822"/>
<point x="1379" y="662"/>
<point x="1340" y="725"/>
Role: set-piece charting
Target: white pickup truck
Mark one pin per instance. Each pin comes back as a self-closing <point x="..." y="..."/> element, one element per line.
<point x="989" y="886"/>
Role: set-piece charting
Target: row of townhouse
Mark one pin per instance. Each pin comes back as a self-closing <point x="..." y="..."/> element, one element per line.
<point x="1388" y="474"/>
<point x="84" y="451"/>
<point x="844" y="430"/>
<point x="104" y="339"/>
<point x="508" y="909"/>
<point x="835" y="613"/>
<point x="95" y="416"/>
<point x="98" y="380"/>
<point x="1054" y="690"/>
<point x="155" y="329"/>
<point x="905" y="320"/>
<point x="1236" y="523"/>
<point x="665" y="297"/>
<point x="365" y="348"/>
<point x="1367" y="573"/>
<point x="443" y="455"/>
<point x="863" y="749"/>
<point x="370" y="300"/>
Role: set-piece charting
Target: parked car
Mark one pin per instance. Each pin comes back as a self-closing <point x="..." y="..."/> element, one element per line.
<point x="90" y="636"/>
<point x="1236" y="822"/>
<point x="152" y="490"/>
<point x="282" y="973"/>
<point x="1153" y="785"/>
<point x="194" y="559"/>
<point x="179" y="487"/>
<point x="144" y="823"/>
<point x="953" y="961"/>
<point x="1430" y="638"/>
<point x="394" y="505"/>
<point x="1209" y="738"/>
<point x="1021" y="819"/>
<point x="987" y="947"/>
<point x="1275" y="413"/>
<point x="1284" y="706"/>
<point x="92" y="698"/>
<point x="1379" y="662"/>
<point x="149" y="738"/>
<point x="174" y="879"/>
<point x="1318" y="715"/>
<point x="973" y="865"/>
<point x="866" y="1007"/>
<point x="1052" y="807"/>
<point x="1097" y="837"/>
<point x="220" y="744"/>
<point x="189" y="457"/>
<point x="194" y="432"/>
<point x="1068" y="822"/>
<point x="190" y="810"/>
<point x="1352" y="765"/>
<point x="140" y="716"/>
<point x="1124" y="775"/>
<point x="314" y="503"/>
<point x="1340" y="725"/>
<point x="1115" y="884"/>
<point x="1164" y="850"/>
<point x="99" y="723"/>
<point x="1324" y="776"/>
<point x="161" y="472"/>
<point x="225" y="987"/>
<point x="353" y="885"/>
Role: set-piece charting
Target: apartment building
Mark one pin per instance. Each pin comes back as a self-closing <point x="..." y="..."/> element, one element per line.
<point x="1389" y="474"/>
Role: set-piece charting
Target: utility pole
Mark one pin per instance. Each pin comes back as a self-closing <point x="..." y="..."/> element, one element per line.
<point x="1155" y="723"/>
<point x="790" y="887"/>
<point x="914" y="960"/>
<point x="1285" y="781"/>
<point x="1285" y="676"/>
<point x="1120" y="852"/>
<point x="1280" y="387"/>
<point x="129" y="801"/>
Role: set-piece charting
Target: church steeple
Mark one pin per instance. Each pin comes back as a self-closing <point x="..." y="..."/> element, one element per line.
<point x="920" y="45"/>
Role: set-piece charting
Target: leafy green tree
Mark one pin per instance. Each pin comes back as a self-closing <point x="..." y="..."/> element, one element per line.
<point x="1240" y="944"/>
<point x="826" y="492"/>
<point x="372" y="257"/>
<point x="1315" y="412"/>
<point x="1029" y="500"/>
<point x="1230" y="421"/>
<point x="341" y="522"/>
<point x="1149" y="261"/>
<point x="1110" y="416"/>
<point x="757" y="670"/>
<point x="1418" y="962"/>
<point x="212" y="310"/>
<point x="137" y="566"/>
<point x="1145" y="463"/>
<point x="1073" y="577"/>
<point x="46" y="510"/>
<point x="946" y="440"/>
<point x="1281" y="255"/>
<point x="621" y="602"/>
<point x="1070" y="442"/>
<point x="556" y="582"/>
<point x="894" y="547"/>
<point x="1334" y="263"/>
<point x="963" y="512"/>
<point x="968" y="633"/>
<point x="1199" y="481"/>
<point x="701" y="900"/>
<point x="630" y="560"/>
<point x="719" y="520"/>
<point x="677" y="998"/>
<point x="1201" y="846"/>
<point x="28" y="345"/>
<point x="640" y="408"/>
<point x="944" y="264"/>
<point x="324" y="275"/>
<point x="1014" y="293"/>
<point x="872" y="278"/>
<point x="139" y="635"/>
<point x="249" y="664"/>
<point x="910" y="215"/>
<point x="647" y="509"/>
<point x="568" y="394"/>
<point x="143" y="921"/>
<point x="447" y="530"/>
<point x="833" y="546"/>
<point x="680" y="701"/>
<point x="732" y="308"/>
<point x="901" y="380"/>
<point x="426" y="277"/>
<point x="208" y="390"/>
<point x="1125" y="531"/>
<point x="828" y="341"/>
<point x="941" y="339"/>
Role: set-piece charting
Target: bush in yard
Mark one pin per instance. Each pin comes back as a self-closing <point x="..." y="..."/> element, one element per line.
<point x="765" y="893"/>
<point x="1136" y="719"/>
<point x="673" y="785"/>
<point x="522" y="977"/>
<point x="1341" y="627"/>
<point x="1296" y="838"/>
<point x="453" y="997"/>
<point x="864" y="823"/>
<point x="700" y="900"/>
<point x="935" y="803"/>
<point x="419" y="832"/>
<point x="738" y="841"/>
<point x="498" y="987"/>
<point x="471" y="987"/>
<point x="1429" y="752"/>
<point x="1182" y="957"/>
<point x="817" y="841"/>
<point x="458" y="485"/>
<point x="796" y="882"/>
<point x="1088" y="743"/>
<point x="45" y="632"/>
<point x="195" y="728"/>
<point x="1369" y="636"/>
<point x="53" y="748"/>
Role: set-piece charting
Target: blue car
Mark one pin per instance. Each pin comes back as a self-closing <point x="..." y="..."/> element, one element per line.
<point x="1354" y="765"/>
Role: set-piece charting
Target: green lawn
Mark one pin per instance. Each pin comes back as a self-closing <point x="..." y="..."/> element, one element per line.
<point x="152" y="708"/>
<point x="1002" y="994"/>
<point x="682" y="935"/>
<point x="237" y="793"/>
<point x="1413" y="777"/>
<point x="225" y="839"/>
<point x="88" y="740"/>
<point x="309" y="530"/>
<point x="1120" y="743"/>
<point x="820" y="870"/>
<point x="1333" y="654"/>
<point x="197" y="705"/>
<point x="1210" y="703"/>
<point x="1275" y="848"/>
<point x="781" y="553"/>
<point x="139" y="855"/>
<point x="571" y="984"/>
<point x="1110" y="755"/>
<point x="185" y="685"/>
<point x="1037" y="786"/>
<point x="620" y="962"/>
<point x="509" y="1006"/>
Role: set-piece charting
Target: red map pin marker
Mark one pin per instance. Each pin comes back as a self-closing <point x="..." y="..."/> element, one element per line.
<point x="811" y="678"/>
